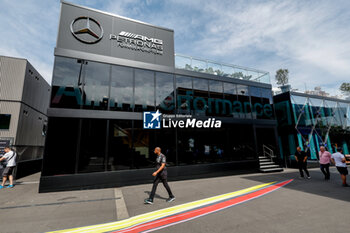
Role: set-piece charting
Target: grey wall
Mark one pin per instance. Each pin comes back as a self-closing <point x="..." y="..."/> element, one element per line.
<point x="25" y="95"/>
<point x="12" y="108"/>
<point x="36" y="91"/>
<point x="12" y="72"/>
<point x="30" y="127"/>
<point x="113" y="24"/>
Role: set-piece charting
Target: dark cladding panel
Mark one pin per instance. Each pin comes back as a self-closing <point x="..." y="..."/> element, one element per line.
<point x="118" y="26"/>
<point x="66" y="39"/>
<point x="132" y="32"/>
<point x="168" y="47"/>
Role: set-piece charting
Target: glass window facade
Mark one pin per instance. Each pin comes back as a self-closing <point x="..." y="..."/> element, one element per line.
<point x="97" y="145"/>
<point x="67" y="83"/>
<point x="184" y="94"/>
<point x="317" y="121"/>
<point x="100" y="145"/>
<point x="122" y="89"/>
<point x="91" y="85"/>
<point x="96" y="80"/>
<point x="165" y="95"/>
<point x="144" y="90"/>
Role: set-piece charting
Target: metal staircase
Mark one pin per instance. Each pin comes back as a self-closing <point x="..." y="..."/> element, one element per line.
<point x="266" y="161"/>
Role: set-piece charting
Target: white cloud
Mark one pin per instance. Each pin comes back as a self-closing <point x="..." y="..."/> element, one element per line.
<point x="29" y="30"/>
<point x="310" y="38"/>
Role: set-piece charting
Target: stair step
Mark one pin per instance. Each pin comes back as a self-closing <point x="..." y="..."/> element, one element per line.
<point x="269" y="166"/>
<point x="263" y="157"/>
<point x="264" y="160"/>
<point x="267" y="163"/>
<point x="271" y="170"/>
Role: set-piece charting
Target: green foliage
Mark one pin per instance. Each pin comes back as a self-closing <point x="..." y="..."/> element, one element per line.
<point x="210" y="70"/>
<point x="188" y="67"/>
<point x="345" y="88"/>
<point x="282" y="76"/>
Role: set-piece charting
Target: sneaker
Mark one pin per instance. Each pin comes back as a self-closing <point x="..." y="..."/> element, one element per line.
<point x="170" y="199"/>
<point x="10" y="186"/>
<point x="345" y="185"/>
<point x="1" y="187"/>
<point x="301" y="177"/>
<point x="309" y="177"/>
<point x="148" y="201"/>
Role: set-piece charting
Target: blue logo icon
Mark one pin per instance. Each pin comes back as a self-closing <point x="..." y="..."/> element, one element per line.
<point x="151" y="120"/>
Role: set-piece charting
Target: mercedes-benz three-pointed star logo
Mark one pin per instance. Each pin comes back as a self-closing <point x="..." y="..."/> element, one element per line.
<point x="95" y="35"/>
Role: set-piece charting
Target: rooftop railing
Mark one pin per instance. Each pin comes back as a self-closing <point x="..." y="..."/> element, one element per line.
<point x="225" y="70"/>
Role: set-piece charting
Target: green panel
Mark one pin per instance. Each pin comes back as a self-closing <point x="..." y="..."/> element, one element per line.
<point x="329" y="146"/>
<point x="292" y="146"/>
<point x="288" y="113"/>
<point x="300" y="141"/>
<point x="295" y="113"/>
<point x="307" y="115"/>
<point x="280" y="146"/>
<point x="312" y="148"/>
<point x="345" y="148"/>
<point x="317" y="143"/>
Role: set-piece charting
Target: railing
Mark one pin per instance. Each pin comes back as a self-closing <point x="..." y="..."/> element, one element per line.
<point x="268" y="152"/>
<point x="221" y="69"/>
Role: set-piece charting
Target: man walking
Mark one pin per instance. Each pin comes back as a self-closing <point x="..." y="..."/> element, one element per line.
<point x="160" y="175"/>
<point x="10" y="157"/>
<point x="301" y="158"/>
<point x="340" y="162"/>
<point x="325" y="158"/>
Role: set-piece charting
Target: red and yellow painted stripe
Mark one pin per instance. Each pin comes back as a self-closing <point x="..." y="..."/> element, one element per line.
<point x="181" y="213"/>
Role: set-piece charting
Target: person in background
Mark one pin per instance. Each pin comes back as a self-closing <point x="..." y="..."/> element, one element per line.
<point x="10" y="158"/>
<point x="340" y="162"/>
<point x="301" y="158"/>
<point x="325" y="160"/>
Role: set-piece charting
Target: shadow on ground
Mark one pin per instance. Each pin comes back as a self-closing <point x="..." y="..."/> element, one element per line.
<point x="316" y="185"/>
<point x="156" y="196"/>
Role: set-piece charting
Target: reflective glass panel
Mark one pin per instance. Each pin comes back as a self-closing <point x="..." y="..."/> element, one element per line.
<point x="200" y="99"/>
<point x="67" y="83"/>
<point x="331" y="113"/>
<point x="96" y="78"/>
<point x="120" y="145"/>
<point x="242" y="107"/>
<point x="317" y="110"/>
<point x="342" y="109"/>
<point x="121" y="89"/>
<point x="61" y="146"/>
<point x="144" y="90"/>
<point x="301" y="110"/>
<point x="184" y="94"/>
<point x="230" y="95"/>
<point x="216" y="103"/>
<point x="92" y="156"/>
<point x="165" y="96"/>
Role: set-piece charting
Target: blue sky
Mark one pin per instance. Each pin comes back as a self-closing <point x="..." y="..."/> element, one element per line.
<point x="310" y="38"/>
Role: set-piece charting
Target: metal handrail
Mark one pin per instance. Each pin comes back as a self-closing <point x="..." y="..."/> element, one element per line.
<point x="219" y="65"/>
<point x="269" y="152"/>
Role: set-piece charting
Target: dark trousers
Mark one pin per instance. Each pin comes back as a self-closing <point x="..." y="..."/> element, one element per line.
<point x="325" y="171"/>
<point x="303" y="166"/>
<point x="156" y="181"/>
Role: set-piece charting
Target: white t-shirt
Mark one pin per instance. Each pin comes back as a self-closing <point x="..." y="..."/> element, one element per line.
<point x="12" y="161"/>
<point x="338" y="159"/>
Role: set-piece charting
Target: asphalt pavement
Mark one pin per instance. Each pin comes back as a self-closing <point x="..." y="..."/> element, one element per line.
<point x="303" y="205"/>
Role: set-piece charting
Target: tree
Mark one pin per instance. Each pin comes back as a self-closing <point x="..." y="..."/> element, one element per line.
<point x="345" y="88"/>
<point x="282" y="76"/>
